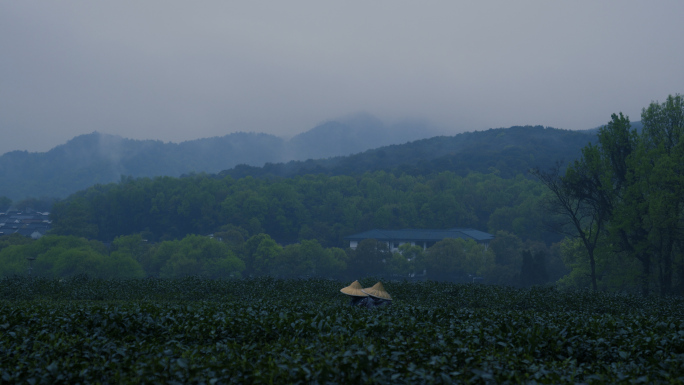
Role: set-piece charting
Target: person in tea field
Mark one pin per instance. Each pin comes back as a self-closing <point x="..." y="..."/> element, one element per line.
<point x="377" y="296"/>
<point x="372" y="297"/>
<point x="355" y="291"/>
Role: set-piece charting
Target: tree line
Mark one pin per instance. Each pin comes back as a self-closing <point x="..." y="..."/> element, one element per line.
<point x="325" y="208"/>
<point x="622" y="203"/>
<point x="230" y="254"/>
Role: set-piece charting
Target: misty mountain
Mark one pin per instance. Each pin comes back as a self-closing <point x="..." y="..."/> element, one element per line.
<point x="355" y="134"/>
<point x="506" y="151"/>
<point x="101" y="158"/>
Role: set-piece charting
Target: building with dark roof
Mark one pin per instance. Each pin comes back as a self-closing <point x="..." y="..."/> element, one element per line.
<point x="418" y="237"/>
<point x="33" y="225"/>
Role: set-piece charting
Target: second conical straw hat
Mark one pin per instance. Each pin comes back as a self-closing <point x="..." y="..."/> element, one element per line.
<point x="354" y="289"/>
<point x="378" y="291"/>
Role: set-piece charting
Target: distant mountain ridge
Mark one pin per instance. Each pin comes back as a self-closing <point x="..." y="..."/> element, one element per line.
<point x="506" y="151"/>
<point x="355" y="134"/>
<point x="98" y="158"/>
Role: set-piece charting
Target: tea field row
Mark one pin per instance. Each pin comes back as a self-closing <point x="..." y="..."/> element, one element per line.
<point x="303" y="331"/>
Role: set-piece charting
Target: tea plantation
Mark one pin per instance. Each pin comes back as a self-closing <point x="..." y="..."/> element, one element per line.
<point x="269" y="331"/>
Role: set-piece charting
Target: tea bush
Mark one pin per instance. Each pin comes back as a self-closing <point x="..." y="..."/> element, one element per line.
<point x="302" y="331"/>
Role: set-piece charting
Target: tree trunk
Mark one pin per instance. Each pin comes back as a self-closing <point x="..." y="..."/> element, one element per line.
<point x="668" y="264"/>
<point x="646" y="277"/>
<point x="592" y="264"/>
<point x="680" y="286"/>
<point x="666" y="274"/>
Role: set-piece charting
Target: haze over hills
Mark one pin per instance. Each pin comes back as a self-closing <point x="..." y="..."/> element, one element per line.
<point x="409" y="146"/>
<point x="101" y="158"/>
<point x="354" y="134"/>
<point x="506" y="151"/>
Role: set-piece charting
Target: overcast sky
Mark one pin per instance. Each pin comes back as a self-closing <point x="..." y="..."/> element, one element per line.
<point x="179" y="70"/>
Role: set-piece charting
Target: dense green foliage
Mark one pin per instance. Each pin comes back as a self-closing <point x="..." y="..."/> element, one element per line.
<point x="233" y="256"/>
<point x="624" y="199"/>
<point x="129" y="257"/>
<point x="308" y="207"/>
<point x="267" y="222"/>
<point x="303" y="331"/>
<point x="63" y="256"/>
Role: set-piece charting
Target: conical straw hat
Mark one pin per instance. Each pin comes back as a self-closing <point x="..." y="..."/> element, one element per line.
<point x="377" y="291"/>
<point x="354" y="289"/>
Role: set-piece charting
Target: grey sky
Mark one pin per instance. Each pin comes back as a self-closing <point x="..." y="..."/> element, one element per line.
<point x="179" y="70"/>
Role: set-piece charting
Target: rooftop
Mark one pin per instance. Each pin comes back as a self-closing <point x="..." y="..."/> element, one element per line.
<point x="422" y="234"/>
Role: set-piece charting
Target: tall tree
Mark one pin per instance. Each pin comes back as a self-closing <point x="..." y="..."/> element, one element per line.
<point x="631" y="185"/>
<point x="579" y="215"/>
<point x="659" y="173"/>
<point x="585" y="197"/>
<point x="647" y="216"/>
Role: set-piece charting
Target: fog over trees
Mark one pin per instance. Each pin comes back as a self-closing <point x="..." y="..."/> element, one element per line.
<point x="606" y="214"/>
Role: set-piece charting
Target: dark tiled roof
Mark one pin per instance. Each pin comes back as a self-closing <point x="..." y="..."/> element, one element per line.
<point x="25" y="216"/>
<point x="24" y="223"/>
<point x="26" y="229"/>
<point x="426" y="235"/>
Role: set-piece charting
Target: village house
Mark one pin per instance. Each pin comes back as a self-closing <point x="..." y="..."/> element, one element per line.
<point x="33" y="224"/>
<point x="419" y="237"/>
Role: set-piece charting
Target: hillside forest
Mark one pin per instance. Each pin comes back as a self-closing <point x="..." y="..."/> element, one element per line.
<point x="98" y="158"/>
<point x="609" y="220"/>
